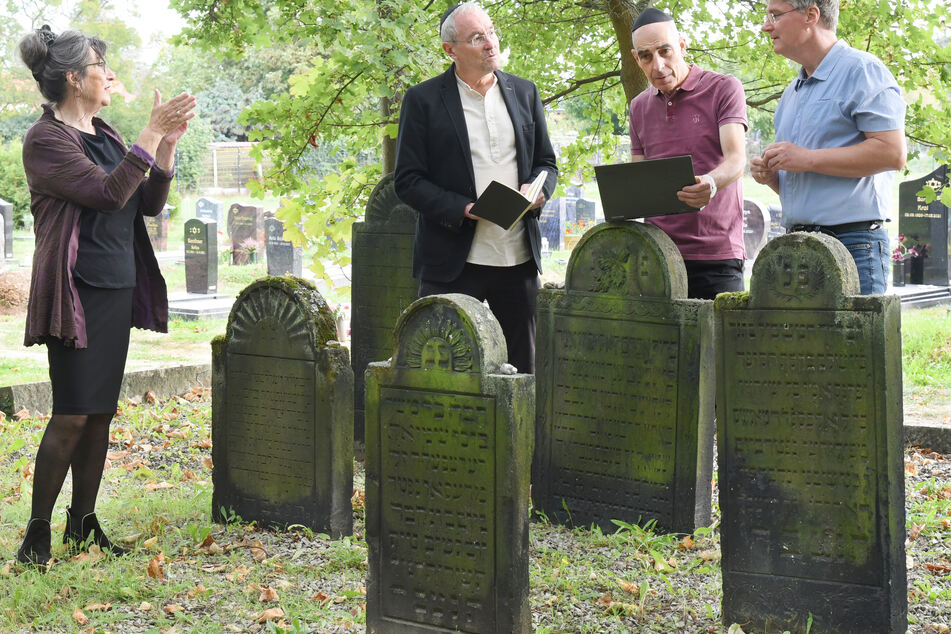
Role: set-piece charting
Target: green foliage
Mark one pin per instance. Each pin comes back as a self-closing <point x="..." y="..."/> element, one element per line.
<point x="13" y="187"/>
<point x="191" y="152"/>
<point x="926" y="347"/>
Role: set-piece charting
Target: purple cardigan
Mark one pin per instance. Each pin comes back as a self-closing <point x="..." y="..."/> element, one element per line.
<point x="62" y="182"/>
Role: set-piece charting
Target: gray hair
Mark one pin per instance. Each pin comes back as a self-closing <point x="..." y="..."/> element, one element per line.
<point x="448" y="32"/>
<point x="828" y="10"/>
<point x="49" y="57"/>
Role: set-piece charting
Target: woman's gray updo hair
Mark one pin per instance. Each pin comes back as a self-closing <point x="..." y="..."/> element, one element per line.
<point x="49" y="57"/>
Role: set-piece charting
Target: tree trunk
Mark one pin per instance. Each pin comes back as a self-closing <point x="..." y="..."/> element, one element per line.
<point x="622" y="14"/>
<point x="389" y="108"/>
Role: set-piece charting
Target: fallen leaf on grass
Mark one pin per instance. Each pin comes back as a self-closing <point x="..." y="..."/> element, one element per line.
<point x="172" y="608"/>
<point x="79" y="617"/>
<point x="238" y="575"/>
<point x="155" y="567"/>
<point x="151" y="398"/>
<point x="208" y="464"/>
<point x="627" y="586"/>
<point x="204" y="443"/>
<point x="605" y="600"/>
<point x="91" y="556"/>
<point x="176" y="433"/>
<point x="198" y="590"/>
<point x="735" y="629"/>
<point x="23" y="414"/>
<point x="258" y="551"/>
<point x="937" y="628"/>
<point x="188" y="475"/>
<point x="145" y="606"/>
<point x="151" y="543"/>
<point x="709" y="555"/>
<point x="128" y="540"/>
<point x="938" y="568"/>
<point x="911" y="468"/>
<point x="915" y="531"/>
<point x="687" y="543"/>
<point x="268" y="594"/>
<point x="117" y="455"/>
<point x="156" y="486"/>
<point x="320" y="598"/>
<point x="98" y="607"/>
<point x="271" y="614"/>
<point x="358" y="499"/>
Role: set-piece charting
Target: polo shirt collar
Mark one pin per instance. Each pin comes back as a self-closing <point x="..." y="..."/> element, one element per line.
<point x="693" y="78"/>
<point x="826" y="66"/>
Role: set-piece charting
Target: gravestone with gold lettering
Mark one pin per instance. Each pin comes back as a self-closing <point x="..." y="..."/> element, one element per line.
<point x="809" y="441"/>
<point x="449" y="443"/>
<point x="157" y="228"/>
<point x="282" y="413"/>
<point x="201" y="256"/>
<point x="246" y="229"/>
<point x="925" y="228"/>
<point x="625" y="388"/>
<point x="382" y="284"/>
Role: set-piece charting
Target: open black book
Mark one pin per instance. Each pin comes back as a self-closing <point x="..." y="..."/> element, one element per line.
<point x="645" y="188"/>
<point x="505" y="206"/>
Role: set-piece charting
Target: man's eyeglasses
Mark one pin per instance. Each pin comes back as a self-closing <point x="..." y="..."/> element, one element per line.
<point x="479" y="39"/>
<point x="772" y="17"/>
<point x="101" y="64"/>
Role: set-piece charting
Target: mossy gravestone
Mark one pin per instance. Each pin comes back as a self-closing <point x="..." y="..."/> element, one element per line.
<point x="282" y="412"/>
<point x="809" y="445"/>
<point x="383" y="284"/>
<point x="449" y="445"/>
<point x="624" y="371"/>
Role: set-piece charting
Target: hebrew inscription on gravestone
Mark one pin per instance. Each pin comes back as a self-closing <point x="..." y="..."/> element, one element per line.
<point x="382" y="284"/>
<point x="809" y="446"/>
<point x="448" y="458"/>
<point x="624" y="427"/>
<point x="282" y="412"/>
<point x="283" y="258"/>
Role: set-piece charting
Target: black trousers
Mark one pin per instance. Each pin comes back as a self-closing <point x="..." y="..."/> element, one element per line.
<point x="511" y="292"/>
<point x="706" y="278"/>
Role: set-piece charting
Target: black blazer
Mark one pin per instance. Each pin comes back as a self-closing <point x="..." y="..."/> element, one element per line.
<point x="434" y="168"/>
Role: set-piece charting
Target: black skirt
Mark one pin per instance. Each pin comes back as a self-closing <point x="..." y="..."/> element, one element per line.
<point x="87" y="380"/>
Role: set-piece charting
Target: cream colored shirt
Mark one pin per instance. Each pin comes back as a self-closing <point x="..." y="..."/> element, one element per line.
<point x="492" y="144"/>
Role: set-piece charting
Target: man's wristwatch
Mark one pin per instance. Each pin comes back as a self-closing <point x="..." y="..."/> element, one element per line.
<point x="713" y="184"/>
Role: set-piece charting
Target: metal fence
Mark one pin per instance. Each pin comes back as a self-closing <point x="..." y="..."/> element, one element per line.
<point x="228" y="168"/>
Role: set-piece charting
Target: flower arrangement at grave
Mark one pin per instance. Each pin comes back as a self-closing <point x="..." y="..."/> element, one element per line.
<point x="577" y="228"/>
<point x="903" y="250"/>
<point x="246" y="252"/>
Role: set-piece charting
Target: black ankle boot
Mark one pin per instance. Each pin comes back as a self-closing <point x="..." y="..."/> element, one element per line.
<point x="35" y="549"/>
<point x="81" y="532"/>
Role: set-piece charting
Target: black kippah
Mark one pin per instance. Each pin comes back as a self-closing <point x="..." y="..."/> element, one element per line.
<point x="649" y="16"/>
<point x="445" y="16"/>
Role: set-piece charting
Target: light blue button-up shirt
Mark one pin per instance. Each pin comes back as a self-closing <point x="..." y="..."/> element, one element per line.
<point x="850" y="92"/>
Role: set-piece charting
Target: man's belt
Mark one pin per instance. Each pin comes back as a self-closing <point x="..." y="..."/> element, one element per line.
<point x="835" y="230"/>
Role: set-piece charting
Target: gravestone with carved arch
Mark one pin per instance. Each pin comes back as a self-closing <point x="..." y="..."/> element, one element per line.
<point x="448" y="457"/>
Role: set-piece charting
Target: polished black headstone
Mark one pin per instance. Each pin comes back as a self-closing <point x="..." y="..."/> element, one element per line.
<point x="283" y="258"/>
<point x="756" y="224"/>
<point x="209" y="209"/>
<point x="551" y="222"/>
<point x="201" y="256"/>
<point x="925" y="227"/>
<point x="246" y="229"/>
<point x="585" y="211"/>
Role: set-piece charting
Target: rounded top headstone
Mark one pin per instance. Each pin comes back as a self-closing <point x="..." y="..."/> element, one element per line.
<point x="451" y="333"/>
<point x="803" y="271"/>
<point x="632" y="259"/>
<point x="385" y="207"/>
<point x="280" y="317"/>
<point x="756" y="223"/>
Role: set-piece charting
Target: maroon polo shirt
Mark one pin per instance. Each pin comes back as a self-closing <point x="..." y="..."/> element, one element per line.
<point x="688" y="122"/>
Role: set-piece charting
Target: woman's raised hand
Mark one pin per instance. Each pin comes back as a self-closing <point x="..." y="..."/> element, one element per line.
<point x="172" y="114"/>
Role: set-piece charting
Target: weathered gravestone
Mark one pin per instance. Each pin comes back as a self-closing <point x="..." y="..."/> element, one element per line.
<point x="624" y="372"/>
<point x="551" y="222"/>
<point x="283" y="258"/>
<point x="809" y="443"/>
<point x="157" y="227"/>
<point x="382" y="284"/>
<point x="585" y="211"/>
<point x="281" y="416"/>
<point x="756" y="227"/>
<point x="201" y="256"/>
<point x="449" y="443"/>
<point x="925" y="227"/>
<point x="6" y="216"/>
<point x="776" y="228"/>
<point x="246" y="229"/>
<point x="209" y="209"/>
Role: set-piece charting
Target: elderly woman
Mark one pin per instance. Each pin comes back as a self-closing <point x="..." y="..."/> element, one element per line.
<point x="94" y="272"/>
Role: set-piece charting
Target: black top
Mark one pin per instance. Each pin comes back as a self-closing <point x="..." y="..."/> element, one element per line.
<point x="105" y="257"/>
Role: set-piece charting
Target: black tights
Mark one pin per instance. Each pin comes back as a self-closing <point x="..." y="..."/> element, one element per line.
<point x="76" y="441"/>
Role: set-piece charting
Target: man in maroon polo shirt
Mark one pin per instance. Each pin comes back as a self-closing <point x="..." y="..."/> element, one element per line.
<point x="688" y="110"/>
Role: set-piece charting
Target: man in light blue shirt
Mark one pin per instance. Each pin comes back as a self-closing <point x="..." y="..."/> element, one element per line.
<point x="839" y="136"/>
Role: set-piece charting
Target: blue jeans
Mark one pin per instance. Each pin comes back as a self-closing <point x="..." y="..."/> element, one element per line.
<point x="869" y="249"/>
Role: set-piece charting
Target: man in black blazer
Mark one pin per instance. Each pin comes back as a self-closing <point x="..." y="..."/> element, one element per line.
<point x="458" y="132"/>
